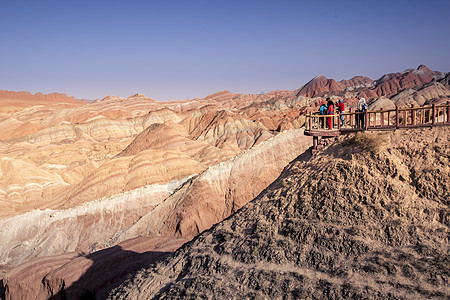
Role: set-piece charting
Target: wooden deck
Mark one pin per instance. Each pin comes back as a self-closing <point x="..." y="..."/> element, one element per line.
<point x="389" y="119"/>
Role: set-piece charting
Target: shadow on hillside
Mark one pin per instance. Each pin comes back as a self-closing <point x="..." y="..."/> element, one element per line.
<point x="109" y="269"/>
<point x="2" y="290"/>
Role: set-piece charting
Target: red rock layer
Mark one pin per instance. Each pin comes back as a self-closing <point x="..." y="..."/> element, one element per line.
<point x="319" y="85"/>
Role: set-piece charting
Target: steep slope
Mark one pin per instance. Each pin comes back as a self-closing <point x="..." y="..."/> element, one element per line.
<point x="367" y="218"/>
<point x="169" y="210"/>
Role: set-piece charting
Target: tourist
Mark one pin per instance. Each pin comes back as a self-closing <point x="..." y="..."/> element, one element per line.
<point x="341" y="110"/>
<point x="330" y="111"/>
<point x="362" y="108"/>
<point x="322" y="111"/>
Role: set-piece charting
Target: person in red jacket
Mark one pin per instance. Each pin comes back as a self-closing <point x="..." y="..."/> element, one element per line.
<point x="330" y="111"/>
<point x="341" y="109"/>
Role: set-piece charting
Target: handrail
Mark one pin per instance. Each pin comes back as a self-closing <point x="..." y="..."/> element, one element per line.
<point x="406" y="117"/>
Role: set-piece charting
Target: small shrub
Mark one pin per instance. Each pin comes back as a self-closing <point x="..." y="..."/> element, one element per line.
<point x="367" y="141"/>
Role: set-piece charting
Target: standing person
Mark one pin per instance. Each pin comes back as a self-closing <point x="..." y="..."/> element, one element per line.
<point x="330" y="111"/>
<point x="322" y="111"/>
<point x="362" y="107"/>
<point x="341" y="108"/>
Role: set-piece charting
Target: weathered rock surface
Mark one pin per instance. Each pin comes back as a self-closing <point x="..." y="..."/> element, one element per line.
<point x="367" y="218"/>
<point x="175" y="209"/>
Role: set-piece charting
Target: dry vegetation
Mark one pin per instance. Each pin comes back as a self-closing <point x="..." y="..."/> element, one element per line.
<point x="367" y="141"/>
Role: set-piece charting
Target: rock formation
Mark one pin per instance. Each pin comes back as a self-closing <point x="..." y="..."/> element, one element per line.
<point x="419" y="86"/>
<point x="168" y="211"/>
<point x="395" y="82"/>
<point x="367" y="218"/>
<point x="318" y="86"/>
<point x="77" y="177"/>
<point x="356" y="82"/>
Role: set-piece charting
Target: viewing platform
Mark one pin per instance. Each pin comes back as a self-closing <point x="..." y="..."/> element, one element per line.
<point x="316" y="125"/>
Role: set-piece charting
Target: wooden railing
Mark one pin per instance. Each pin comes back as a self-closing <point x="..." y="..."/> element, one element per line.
<point x="425" y="116"/>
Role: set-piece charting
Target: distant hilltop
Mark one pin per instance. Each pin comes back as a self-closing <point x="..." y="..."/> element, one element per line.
<point x="387" y="85"/>
<point x="12" y="101"/>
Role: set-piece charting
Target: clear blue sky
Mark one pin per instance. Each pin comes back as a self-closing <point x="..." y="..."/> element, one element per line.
<point x="184" y="49"/>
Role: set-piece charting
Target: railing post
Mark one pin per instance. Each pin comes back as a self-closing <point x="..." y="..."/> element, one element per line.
<point x="366" y="117"/>
<point x="351" y="118"/>
<point x="382" y="117"/>
<point x="433" y="115"/>
<point x="448" y="112"/>
<point x="310" y="121"/>
<point x="413" y="116"/>
<point x="396" y="117"/>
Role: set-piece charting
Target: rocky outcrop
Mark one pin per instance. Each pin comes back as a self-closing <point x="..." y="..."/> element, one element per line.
<point x="367" y="218"/>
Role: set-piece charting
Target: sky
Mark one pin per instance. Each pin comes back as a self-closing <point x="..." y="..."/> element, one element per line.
<point x="176" y="50"/>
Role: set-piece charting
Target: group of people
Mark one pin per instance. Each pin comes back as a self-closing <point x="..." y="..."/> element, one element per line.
<point x="328" y="108"/>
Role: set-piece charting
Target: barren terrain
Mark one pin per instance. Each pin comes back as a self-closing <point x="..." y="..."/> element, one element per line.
<point x="86" y="186"/>
<point x="367" y="218"/>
